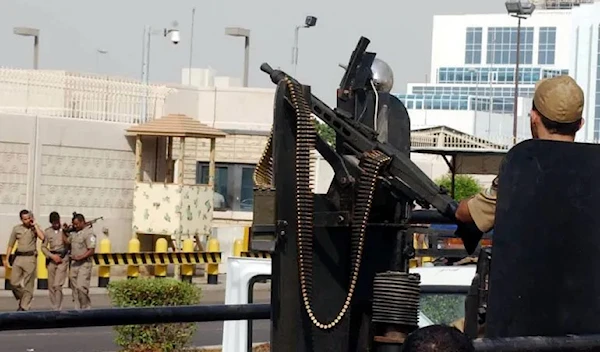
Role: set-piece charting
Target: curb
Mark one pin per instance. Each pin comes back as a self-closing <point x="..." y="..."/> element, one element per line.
<point x="255" y="344"/>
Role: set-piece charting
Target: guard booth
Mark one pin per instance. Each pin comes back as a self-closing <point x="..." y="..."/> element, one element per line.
<point x="163" y="204"/>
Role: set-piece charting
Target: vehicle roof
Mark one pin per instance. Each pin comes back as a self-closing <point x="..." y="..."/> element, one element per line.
<point x="445" y="275"/>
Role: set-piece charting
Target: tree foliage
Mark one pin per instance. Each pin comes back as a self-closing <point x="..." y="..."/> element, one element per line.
<point x="326" y="132"/>
<point x="465" y="186"/>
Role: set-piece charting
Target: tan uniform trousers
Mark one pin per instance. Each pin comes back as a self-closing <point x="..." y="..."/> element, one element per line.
<point x="57" y="275"/>
<point x="80" y="276"/>
<point x="22" y="280"/>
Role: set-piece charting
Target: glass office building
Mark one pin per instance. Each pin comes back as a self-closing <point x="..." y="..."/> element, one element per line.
<point x="474" y="59"/>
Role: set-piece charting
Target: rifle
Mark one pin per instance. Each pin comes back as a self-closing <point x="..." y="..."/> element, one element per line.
<point x="70" y="228"/>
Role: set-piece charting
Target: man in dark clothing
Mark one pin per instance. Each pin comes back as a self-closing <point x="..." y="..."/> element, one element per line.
<point x="437" y="338"/>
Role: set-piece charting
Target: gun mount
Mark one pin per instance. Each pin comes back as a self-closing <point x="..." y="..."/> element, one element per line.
<point x="350" y="247"/>
<point x="340" y="279"/>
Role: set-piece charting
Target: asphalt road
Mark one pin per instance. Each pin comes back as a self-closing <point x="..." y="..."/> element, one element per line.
<point x="101" y="339"/>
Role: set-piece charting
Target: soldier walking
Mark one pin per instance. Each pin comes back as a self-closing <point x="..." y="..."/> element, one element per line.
<point x="22" y="278"/>
<point x="83" y="246"/>
<point x="57" y="260"/>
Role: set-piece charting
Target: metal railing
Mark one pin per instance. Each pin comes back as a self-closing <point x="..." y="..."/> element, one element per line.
<point x="65" y="94"/>
<point x="185" y="314"/>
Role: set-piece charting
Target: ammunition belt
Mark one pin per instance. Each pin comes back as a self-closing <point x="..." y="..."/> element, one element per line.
<point x="305" y="143"/>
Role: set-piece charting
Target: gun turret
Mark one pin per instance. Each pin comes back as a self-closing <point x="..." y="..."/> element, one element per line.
<point x="402" y="176"/>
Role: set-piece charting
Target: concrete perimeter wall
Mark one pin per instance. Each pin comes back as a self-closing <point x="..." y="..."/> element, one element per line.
<point x="68" y="165"/>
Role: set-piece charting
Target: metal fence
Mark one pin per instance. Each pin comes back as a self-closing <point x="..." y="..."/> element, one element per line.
<point x="80" y="96"/>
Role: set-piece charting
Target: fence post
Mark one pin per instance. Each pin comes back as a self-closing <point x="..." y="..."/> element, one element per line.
<point x="104" y="270"/>
<point x="160" y="270"/>
<point x="133" y="271"/>
<point x="212" y="270"/>
<point x="187" y="270"/>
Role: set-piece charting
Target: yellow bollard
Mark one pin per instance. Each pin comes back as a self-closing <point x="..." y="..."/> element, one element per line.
<point x="8" y="272"/>
<point x="187" y="270"/>
<point x="42" y="270"/>
<point x="238" y="248"/>
<point x="246" y="239"/>
<point x="212" y="270"/>
<point x="104" y="270"/>
<point x="160" y="270"/>
<point x="133" y="271"/>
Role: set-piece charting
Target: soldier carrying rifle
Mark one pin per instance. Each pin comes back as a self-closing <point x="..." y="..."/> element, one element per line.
<point x="82" y="240"/>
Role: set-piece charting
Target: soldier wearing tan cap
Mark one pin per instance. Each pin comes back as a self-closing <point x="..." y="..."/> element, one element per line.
<point x="556" y="114"/>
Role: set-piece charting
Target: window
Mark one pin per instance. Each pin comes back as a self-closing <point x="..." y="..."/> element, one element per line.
<point x="527" y="75"/>
<point x="442" y="308"/>
<point x="473" y="46"/>
<point x="234" y="185"/>
<point x="547" y="46"/>
<point x="502" y="45"/>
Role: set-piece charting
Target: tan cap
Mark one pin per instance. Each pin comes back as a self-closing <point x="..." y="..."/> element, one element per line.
<point x="559" y="99"/>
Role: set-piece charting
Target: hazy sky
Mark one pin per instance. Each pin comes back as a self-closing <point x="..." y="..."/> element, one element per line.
<point x="72" y="30"/>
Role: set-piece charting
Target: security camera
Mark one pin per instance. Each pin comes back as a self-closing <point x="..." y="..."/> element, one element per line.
<point x="310" y="21"/>
<point x="174" y="35"/>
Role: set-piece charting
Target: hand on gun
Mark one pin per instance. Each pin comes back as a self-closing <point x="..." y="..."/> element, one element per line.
<point x="467" y="232"/>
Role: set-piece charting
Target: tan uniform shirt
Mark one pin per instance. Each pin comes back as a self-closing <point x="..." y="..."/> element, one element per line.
<point x="483" y="207"/>
<point x="81" y="241"/>
<point x="53" y="241"/>
<point x="25" y="238"/>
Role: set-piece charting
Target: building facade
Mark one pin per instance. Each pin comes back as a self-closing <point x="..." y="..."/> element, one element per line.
<point x="585" y="64"/>
<point x="471" y="85"/>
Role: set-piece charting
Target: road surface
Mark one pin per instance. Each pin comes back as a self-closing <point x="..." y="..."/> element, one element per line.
<point x="100" y="339"/>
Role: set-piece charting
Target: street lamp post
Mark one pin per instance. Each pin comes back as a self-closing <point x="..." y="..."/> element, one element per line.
<point x="174" y="37"/>
<point x="521" y="10"/>
<point x="31" y="32"/>
<point x="242" y="32"/>
<point x="310" y="21"/>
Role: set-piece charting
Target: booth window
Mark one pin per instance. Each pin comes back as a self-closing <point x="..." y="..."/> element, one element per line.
<point x="234" y="185"/>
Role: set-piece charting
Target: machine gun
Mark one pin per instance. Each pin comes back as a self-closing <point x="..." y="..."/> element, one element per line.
<point x="359" y="227"/>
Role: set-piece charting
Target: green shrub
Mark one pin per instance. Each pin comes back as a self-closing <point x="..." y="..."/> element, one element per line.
<point x="151" y="293"/>
<point x="465" y="186"/>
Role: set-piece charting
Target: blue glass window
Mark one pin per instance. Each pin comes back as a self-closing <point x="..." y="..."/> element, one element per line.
<point x="502" y="45"/>
<point x="547" y="46"/>
<point x="473" y="45"/>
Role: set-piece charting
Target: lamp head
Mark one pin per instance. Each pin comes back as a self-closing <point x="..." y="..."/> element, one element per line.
<point x="382" y="75"/>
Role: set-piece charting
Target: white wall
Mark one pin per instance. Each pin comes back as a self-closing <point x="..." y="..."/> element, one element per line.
<point x="584" y="62"/>
<point x="449" y="36"/>
<point x="233" y="108"/>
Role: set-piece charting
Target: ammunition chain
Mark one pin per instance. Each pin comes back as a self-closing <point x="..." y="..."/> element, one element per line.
<point x="263" y="173"/>
<point x="305" y="143"/>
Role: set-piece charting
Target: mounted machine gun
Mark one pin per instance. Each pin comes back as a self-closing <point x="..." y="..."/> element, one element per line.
<point x="340" y="260"/>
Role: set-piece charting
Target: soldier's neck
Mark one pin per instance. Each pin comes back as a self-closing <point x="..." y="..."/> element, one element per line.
<point x="556" y="137"/>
